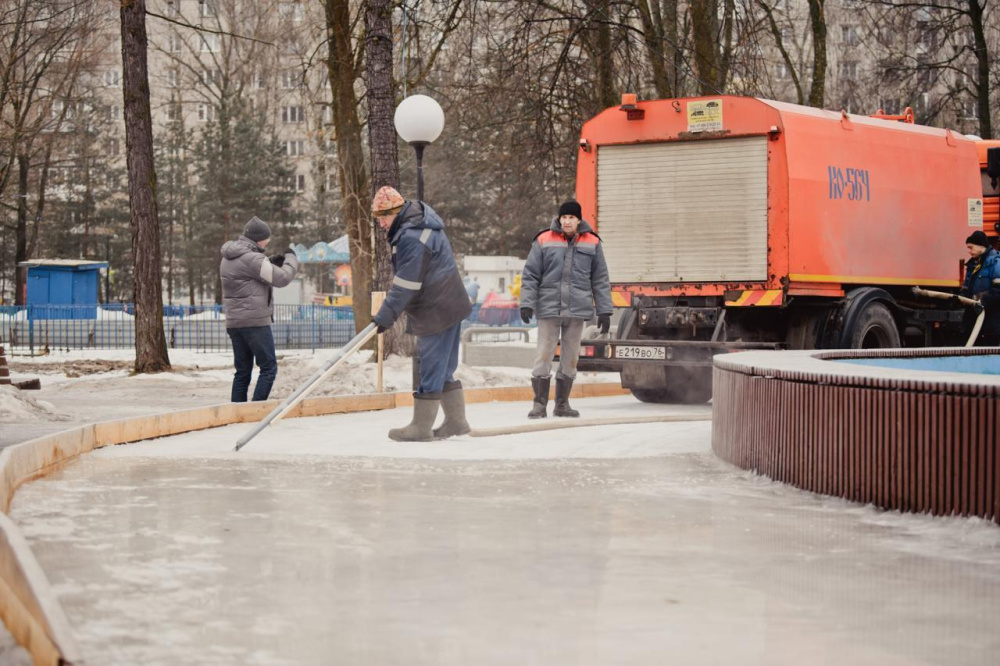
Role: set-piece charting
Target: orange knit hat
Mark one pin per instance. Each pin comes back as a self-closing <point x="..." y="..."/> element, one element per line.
<point x="387" y="201"/>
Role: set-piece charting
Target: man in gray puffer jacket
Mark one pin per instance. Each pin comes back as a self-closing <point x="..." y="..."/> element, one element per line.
<point x="563" y="278"/>
<point x="248" y="280"/>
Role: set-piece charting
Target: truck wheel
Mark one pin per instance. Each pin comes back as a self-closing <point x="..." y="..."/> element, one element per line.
<point x="874" y="328"/>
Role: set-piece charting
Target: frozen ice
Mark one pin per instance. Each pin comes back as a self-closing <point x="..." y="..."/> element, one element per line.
<point x="323" y="542"/>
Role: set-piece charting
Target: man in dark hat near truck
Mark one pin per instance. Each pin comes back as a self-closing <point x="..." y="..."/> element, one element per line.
<point x="428" y="288"/>
<point x="564" y="277"/>
<point x="982" y="273"/>
<point x="248" y="281"/>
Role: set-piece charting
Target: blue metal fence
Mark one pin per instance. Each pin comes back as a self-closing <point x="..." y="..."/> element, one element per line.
<point x="198" y="327"/>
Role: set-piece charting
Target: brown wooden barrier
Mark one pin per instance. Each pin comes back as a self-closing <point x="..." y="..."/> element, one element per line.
<point x="898" y="439"/>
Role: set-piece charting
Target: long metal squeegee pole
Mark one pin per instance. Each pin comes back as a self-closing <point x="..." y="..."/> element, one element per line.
<point x="281" y="410"/>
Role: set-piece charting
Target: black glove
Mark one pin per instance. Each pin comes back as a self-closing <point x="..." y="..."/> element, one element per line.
<point x="526" y="314"/>
<point x="278" y="260"/>
<point x="381" y="328"/>
<point x="604" y="323"/>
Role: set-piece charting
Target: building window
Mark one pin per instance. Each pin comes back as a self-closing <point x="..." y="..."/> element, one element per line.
<point x="206" y="112"/>
<point x="292" y="114"/>
<point x="501" y="284"/>
<point x="112" y="78"/>
<point x="57" y="107"/>
<point x="114" y="113"/>
<point x="173" y="112"/>
<point x="171" y="78"/>
<point x="211" y="76"/>
<point x="970" y="109"/>
<point x="297" y="183"/>
<point x="781" y="71"/>
<point x="258" y="80"/>
<point x="891" y="107"/>
<point x="209" y="43"/>
<point x="170" y="7"/>
<point x="174" y="43"/>
<point x="327" y="115"/>
<point x="111" y="147"/>
<point x="291" y="10"/>
<point x="291" y="80"/>
<point x="849" y="70"/>
<point x="206" y="8"/>
<point x="328" y="184"/>
<point x="849" y="35"/>
<point x="295" y="148"/>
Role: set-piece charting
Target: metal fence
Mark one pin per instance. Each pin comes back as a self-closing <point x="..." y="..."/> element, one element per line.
<point x="199" y="327"/>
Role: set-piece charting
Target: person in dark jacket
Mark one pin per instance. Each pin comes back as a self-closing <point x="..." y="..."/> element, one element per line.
<point x="428" y="288"/>
<point x="563" y="278"/>
<point x="248" y="280"/>
<point x="982" y="282"/>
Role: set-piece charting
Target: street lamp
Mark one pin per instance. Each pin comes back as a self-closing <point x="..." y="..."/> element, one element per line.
<point x="419" y="121"/>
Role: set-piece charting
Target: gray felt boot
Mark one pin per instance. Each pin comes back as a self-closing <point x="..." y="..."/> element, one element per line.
<point x="453" y="404"/>
<point x="425" y="410"/>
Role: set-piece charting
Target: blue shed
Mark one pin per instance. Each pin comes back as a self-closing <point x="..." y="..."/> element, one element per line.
<point x="63" y="282"/>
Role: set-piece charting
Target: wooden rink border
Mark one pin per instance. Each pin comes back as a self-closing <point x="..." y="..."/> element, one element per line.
<point x="28" y="606"/>
<point x="899" y="439"/>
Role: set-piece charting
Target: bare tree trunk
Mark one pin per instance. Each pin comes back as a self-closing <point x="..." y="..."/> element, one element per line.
<point x="600" y="17"/>
<point x="352" y="174"/>
<point x="817" y="21"/>
<point x="705" y="28"/>
<point x="976" y="12"/>
<point x="21" y="231"/>
<point x="381" y="97"/>
<point x="652" y="37"/>
<point x="150" y="343"/>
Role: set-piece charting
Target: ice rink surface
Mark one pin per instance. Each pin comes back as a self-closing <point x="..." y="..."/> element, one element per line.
<point x="323" y="542"/>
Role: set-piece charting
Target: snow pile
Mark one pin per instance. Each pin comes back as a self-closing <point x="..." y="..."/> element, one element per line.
<point x="17" y="407"/>
<point x="358" y="375"/>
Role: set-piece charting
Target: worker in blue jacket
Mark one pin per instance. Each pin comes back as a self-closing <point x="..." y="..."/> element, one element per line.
<point x="428" y="288"/>
<point x="982" y="282"/>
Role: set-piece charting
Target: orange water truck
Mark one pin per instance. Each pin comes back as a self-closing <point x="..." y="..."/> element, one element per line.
<point x="734" y="223"/>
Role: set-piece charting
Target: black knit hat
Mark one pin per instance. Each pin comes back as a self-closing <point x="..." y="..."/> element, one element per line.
<point x="979" y="238"/>
<point x="571" y="208"/>
<point x="257" y="229"/>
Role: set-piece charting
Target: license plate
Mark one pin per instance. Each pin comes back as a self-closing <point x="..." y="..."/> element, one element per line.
<point x="641" y="353"/>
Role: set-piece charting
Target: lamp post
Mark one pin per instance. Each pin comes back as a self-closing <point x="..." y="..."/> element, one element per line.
<point x="419" y="121"/>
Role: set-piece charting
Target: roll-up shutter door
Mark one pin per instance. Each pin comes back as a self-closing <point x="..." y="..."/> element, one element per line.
<point x="693" y="211"/>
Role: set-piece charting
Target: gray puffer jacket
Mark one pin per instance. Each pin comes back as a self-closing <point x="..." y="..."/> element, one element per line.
<point x="566" y="278"/>
<point x="248" y="278"/>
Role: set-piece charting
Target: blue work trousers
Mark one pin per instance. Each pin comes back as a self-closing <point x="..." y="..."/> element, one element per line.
<point x="438" y="358"/>
<point x="249" y="344"/>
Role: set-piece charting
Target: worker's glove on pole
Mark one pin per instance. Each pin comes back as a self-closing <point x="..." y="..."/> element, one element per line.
<point x="604" y="323"/>
<point x="526" y="314"/>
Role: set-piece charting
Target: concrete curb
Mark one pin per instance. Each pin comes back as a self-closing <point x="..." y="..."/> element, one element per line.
<point x="28" y="605"/>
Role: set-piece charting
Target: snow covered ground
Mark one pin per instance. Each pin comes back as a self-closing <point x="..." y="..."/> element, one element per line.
<point x="98" y="385"/>
<point x="323" y="542"/>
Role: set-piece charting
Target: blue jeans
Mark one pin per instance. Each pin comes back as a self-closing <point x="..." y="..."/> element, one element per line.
<point x="438" y="358"/>
<point x="254" y="342"/>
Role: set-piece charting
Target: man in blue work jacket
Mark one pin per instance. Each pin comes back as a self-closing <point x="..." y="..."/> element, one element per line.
<point x="428" y="288"/>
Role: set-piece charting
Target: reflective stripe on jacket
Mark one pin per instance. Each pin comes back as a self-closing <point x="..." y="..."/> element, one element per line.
<point x="566" y="278"/>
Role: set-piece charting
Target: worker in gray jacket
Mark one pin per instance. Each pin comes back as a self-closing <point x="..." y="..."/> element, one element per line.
<point x="248" y="280"/>
<point x="563" y="278"/>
